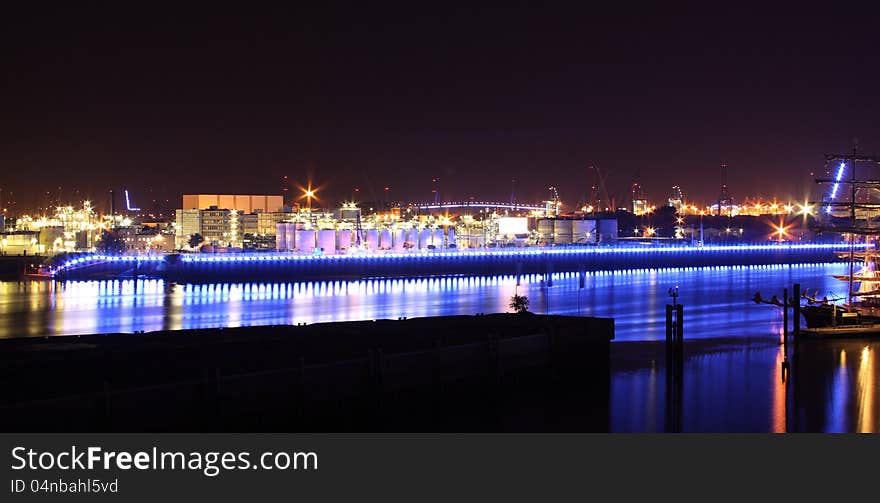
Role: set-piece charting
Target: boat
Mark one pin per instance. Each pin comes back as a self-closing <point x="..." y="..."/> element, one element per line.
<point x="859" y="314"/>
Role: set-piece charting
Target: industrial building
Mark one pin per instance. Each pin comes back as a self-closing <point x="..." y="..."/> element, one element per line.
<point x="242" y="203"/>
<point x="218" y="227"/>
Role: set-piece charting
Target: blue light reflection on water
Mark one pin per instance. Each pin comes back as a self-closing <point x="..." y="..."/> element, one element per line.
<point x="716" y="300"/>
<point x="731" y="386"/>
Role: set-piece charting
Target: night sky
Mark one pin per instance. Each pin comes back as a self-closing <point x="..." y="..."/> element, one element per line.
<point x="163" y="101"/>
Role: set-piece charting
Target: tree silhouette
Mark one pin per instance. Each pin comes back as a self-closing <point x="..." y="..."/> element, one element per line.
<point x="195" y="240"/>
<point x="110" y="244"/>
<point x="519" y="303"/>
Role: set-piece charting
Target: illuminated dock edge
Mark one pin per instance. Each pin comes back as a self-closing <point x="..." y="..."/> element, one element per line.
<point x="278" y="267"/>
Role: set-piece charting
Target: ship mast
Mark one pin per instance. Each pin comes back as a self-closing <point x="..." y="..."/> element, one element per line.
<point x="853" y="230"/>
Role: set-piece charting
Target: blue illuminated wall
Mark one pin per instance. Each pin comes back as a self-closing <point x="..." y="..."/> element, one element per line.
<point x="290" y="267"/>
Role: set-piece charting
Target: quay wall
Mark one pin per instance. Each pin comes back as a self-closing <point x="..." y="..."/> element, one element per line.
<point x="273" y="267"/>
<point x="456" y="373"/>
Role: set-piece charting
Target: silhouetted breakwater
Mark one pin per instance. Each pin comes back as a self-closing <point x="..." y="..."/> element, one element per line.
<point x="194" y="268"/>
<point x="459" y="373"/>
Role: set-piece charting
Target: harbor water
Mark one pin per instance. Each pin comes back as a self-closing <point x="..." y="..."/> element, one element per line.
<point x="733" y="352"/>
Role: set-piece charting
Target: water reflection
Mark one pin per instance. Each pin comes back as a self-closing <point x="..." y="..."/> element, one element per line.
<point x="731" y="374"/>
<point x="734" y="387"/>
<point x="716" y="300"/>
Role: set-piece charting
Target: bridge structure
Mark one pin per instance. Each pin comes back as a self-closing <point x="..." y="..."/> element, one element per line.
<point x="480" y="204"/>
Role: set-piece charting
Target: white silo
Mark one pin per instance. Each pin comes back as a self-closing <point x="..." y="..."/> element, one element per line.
<point x="562" y="231"/>
<point x="280" y="237"/>
<point x="424" y="239"/>
<point x="385" y="239"/>
<point x="305" y="241"/>
<point x="438" y="238"/>
<point x="343" y="240"/>
<point x="290" y="231"/>
<point x="412" y="237"/>
<point x="398" y="237"/>
<point x="583" y="231"/>
<point x="327" y="241"/>
<point x="372" y="239"/>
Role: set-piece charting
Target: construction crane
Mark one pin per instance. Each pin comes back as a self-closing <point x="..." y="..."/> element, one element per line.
<point x="599" y="191"/>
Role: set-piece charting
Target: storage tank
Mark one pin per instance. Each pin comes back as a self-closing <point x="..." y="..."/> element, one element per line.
<point x="290" y="230"/>
<point x="372" y="236"/>
<point x="280" y="236"/>
<point x="583" y="231"/>
<point x="327" y="241"/>
<point x="607" y="230"/>
<point x="305" y="241"/>
<point x="424" y="239"/>
<point x="398" y="237"/>
<point x="438" y="239"/>
<point x="344" y="240"/>
<point x="412" y="237"/>
<point x="562" y="231"/>
<point x="545" y="230"/>
<point x="385" y="239"/>
<point x="450" y="238"/>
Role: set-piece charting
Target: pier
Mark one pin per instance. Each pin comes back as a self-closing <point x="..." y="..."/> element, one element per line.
<point x="279" y="267"/>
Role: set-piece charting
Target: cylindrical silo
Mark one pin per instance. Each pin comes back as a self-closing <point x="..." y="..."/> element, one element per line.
<point x="607" y="229"/>
<point x="438" y="239"/>
<point x="398" y="237"/>
<point x="412" y="237"/>
<point x="545" y="230"/>
<point x="385" y="239"/>
<point x="290" y="230"/>
<point x="305" y="241"/>
<point x="424" y="239"/>
<point x="562" y="231"/>
<point x="344" y="240"/>
<point x="280" y="236"/>
<point x="450" y="238"/>
<point x="583" y="231"/>
<point x="327" y="241"/>
<point x="372" y="239"/>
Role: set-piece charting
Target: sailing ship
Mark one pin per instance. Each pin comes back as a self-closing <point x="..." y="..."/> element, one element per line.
<point x="853" y="219"/>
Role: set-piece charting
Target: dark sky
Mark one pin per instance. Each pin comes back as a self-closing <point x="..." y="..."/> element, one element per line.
<point x="164" y="101"/>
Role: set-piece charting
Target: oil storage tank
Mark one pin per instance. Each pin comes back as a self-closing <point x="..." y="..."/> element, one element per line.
<point x="424" y="239"/>
<point x="327" y="241"/>
<point x="562" y="231"/>
<point x="583" y="231"/>
<point x="607" y="230"/>
<point x="398" y="237"/>
<point x="546" y="230"/>
<point x="281" y="236"/>
<point x="343" y="240"/>
<point x="412" y="237"/>
<point x="305" y="240"/>
<point x="372" y="239"/>
<point x="385" y="239"/>
<point x="437" y="239"/>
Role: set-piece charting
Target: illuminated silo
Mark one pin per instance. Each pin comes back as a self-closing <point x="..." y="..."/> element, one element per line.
<point x="343" y="240"/>
<point x="305" y="240"/>
<point x="424" y="239"/>
<point x="583" y="231"/>
<point x="385" y="239"/>
<point x="398" y="237"/>
<point x="327" y="241"/>
<point x="280" y="236"/>
<point x="562" y="231"/>
<point x="372" y="236"/>
<point x="438" y="238"/>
